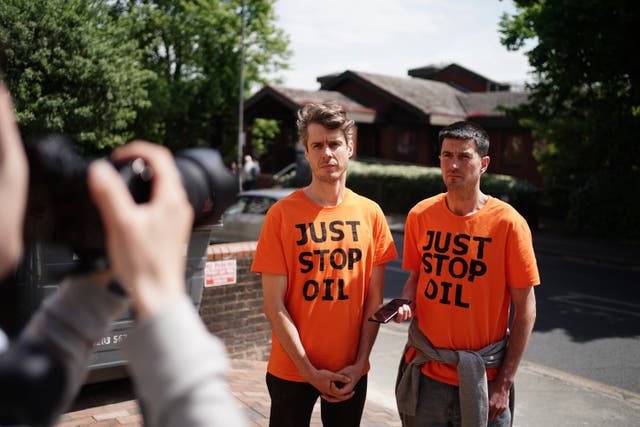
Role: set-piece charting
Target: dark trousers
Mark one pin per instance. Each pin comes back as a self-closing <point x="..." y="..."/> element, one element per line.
<point x="292" y="404"/>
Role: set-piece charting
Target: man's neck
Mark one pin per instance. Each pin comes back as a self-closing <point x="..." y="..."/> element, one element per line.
<point x="464" y="203"/>
<point x="325" y="194"/>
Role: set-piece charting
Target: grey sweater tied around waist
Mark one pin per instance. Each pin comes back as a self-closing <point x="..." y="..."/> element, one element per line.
<point x="472" y="365"/>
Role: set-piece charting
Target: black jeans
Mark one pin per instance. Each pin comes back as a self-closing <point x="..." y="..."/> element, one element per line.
<point x="292" y="404"/>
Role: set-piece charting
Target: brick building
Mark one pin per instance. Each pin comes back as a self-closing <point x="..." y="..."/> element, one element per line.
<point x="398" y="118"/>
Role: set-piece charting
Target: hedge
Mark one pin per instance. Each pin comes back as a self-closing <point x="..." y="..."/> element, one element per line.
<point x="397" y="188"/>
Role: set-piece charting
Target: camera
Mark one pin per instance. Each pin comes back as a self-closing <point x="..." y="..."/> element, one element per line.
<point x="60" y="210"/>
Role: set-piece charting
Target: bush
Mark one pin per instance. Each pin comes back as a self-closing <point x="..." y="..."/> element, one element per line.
<point x="397" y="188"/>
<point x="606" y="207"/>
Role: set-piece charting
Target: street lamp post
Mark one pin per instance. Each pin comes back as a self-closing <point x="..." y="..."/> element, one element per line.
<point x="241" y="136"/>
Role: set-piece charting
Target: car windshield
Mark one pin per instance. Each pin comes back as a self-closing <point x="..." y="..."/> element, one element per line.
<point x="237" y="207"/>
<point x="250" y="205"/>
<point x="259" y="205"/>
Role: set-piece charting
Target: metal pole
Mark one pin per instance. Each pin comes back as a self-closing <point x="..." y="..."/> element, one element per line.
<point x="241" y="100"/>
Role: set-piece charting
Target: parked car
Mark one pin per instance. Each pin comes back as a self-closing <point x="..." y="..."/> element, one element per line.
<point x="242" y="221"/>
<point x="44" y="266"/>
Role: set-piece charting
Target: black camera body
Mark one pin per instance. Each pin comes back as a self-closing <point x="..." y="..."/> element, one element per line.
<point x="60" y="210"/>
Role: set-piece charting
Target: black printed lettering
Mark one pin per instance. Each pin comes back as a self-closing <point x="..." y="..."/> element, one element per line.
<point x="431" y="290"/>
<point x="477" y="268"/>
<point x="322" y="253"/>
<point x="337" y="234"/>
<point x="354" y="229"/>
<point x="341" y="294"/>
<point x="314" y="287"/>
<point x="462" y="263"/>
<point x="426" y="256"/>
<point x="323" y="232"/>
<point x="303" y="259"/>
<point x="317" y="232"/>
<point x="303" y="234"/>
<point x="311" y="290"/>
<point x="442" y="246"/>
<point x="459" y="301"/>
<point x="440" y="258"/>
<point x="327" y="290"/>
<point x="460" y="243"/>
<point x="340" y="254"/>
<point x="338" y="259"/>
<point x="355" y="255"/>
<point x="481" y="241"/>
<point x="445" y="293"/>
<point x="429" y="244"/>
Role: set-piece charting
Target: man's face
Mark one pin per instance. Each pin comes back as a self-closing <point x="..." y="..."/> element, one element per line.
<point x="328" y="152"/>
<point x="461" y="164"/>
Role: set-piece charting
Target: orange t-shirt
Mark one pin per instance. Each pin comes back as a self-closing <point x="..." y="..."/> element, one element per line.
<point x="328" y="255"/>
<point x="466" y="266"/>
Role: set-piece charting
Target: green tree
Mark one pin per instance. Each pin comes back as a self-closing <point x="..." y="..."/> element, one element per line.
<point x="194" y="48"/>
<point x="584" y="106"/>
<point x="263" y="133"/>
<point x="72" y="69"/>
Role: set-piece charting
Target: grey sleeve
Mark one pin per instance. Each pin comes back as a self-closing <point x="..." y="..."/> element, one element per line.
<point x="69" y="322"/>
<point x="179" y="370"/>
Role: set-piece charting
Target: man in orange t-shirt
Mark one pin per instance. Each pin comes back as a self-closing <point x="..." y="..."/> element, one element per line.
<point x="322" y="253"/>
<point x="470" y="256"/>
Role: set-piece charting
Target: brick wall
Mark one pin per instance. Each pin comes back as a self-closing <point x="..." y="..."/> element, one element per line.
<point x="234" y="312"/>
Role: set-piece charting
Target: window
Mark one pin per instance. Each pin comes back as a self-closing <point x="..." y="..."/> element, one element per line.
<point x="513" y="153"/>
<point x="259" y="205"/>
<point x="406" y="146"/>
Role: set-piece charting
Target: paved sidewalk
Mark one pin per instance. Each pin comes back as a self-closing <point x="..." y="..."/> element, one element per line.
<point x="545" y="396"/>
<point x="247" y="383"/>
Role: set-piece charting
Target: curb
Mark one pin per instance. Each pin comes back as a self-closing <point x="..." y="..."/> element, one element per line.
<point x="620" y="394"/>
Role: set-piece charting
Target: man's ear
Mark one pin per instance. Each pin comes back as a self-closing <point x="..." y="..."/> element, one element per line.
<point x="484" y="164"/>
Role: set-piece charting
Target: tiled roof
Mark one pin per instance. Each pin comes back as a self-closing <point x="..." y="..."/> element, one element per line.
<point x="433" y="97"/>
<point x="433" y="71"/>
<point x="430" y="97"/>
<point x="302" y="97"/>
<point x="486" y="103"/>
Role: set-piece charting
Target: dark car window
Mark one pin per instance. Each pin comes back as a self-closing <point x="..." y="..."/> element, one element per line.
<point x="259" y="205"/>
<point x="238" y="206"/>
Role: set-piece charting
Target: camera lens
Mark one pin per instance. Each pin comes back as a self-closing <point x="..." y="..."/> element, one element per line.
<point x="60" y="209"/>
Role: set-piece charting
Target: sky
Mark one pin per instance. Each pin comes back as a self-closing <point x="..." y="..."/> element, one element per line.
<point x="392" y="36"/>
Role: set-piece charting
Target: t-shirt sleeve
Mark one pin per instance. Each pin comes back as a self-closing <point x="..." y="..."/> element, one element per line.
<point x="270" y="256"/>
<point x="522" y="269"/>
<point x="385" y="247"/>
<point x="411" y="255"/>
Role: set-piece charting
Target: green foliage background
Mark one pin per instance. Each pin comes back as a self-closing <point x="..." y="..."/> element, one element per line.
<point x="72" y="69"/>
<point x="397" y="188"/>
<point x="105" y="71"/>
<point x="584" y="106"/>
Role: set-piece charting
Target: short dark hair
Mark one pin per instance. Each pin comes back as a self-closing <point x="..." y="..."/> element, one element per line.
<point x="329" y="114"/>
<point x="467" y="130"/>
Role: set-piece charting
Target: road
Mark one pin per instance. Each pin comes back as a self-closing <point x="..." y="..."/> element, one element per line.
<point x="588" y="321"/>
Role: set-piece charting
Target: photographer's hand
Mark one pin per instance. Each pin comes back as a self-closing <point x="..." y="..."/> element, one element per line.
<point x="145" y="243"/>
<point x="14" y="176"/>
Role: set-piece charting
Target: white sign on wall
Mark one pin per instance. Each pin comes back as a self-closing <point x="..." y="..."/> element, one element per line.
<point x="218" y="273"/>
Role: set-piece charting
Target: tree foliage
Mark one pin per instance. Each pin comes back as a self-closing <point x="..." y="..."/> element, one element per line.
<point x="73" y="70"/>
<point x="104" y="71"/>
<point x="584" y="103"/>
<point x="263" y="134"/>
<point x="194" y="48"/>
